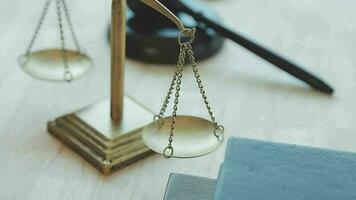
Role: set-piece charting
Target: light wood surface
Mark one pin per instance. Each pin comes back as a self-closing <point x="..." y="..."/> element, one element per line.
<point x="250" y="98"/>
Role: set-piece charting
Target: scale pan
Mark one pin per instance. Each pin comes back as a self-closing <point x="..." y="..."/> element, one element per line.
<point x="48" y="64"/>
<point x="193" y="136"/>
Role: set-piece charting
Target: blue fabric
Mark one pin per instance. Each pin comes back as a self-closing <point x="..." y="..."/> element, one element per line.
<point x="255" y="170"/>
<point x="186" y="187"/>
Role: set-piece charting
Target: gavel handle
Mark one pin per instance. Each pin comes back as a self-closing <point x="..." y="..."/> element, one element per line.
<point x="258" y="50"/>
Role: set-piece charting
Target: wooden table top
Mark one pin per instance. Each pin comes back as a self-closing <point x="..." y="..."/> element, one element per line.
<point x="250" y="97"/>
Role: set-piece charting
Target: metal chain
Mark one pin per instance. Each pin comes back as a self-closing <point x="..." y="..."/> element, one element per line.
<point x="179" y="75"/>
<point x="184" y="50"/>
<point x="199" y="82"/>
<point x="67" y="76"/>
<point x="180" y="62"/>
<point x="219" y="129"/>
<point x="75" y="39"/>
<point x="38" y="27"/>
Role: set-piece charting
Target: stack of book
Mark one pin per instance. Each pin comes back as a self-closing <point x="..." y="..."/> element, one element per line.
<point x="254" y="170"/>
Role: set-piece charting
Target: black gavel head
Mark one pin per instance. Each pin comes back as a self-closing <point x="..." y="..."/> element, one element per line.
<point x="151" y="37"/>
<point x="140" y="8"/>
<point x="147" y="19"/>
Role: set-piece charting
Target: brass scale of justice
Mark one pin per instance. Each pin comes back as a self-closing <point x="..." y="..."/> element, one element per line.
<point x="106" y="133"/>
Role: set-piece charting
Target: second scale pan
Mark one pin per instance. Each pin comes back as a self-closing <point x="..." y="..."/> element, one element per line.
<point x="193" y="136"/>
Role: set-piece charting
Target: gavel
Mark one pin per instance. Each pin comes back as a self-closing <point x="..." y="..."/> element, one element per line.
<point x="178" y="7"/>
